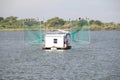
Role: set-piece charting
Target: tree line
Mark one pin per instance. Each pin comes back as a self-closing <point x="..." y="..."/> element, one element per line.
<point x="13" y="22"/>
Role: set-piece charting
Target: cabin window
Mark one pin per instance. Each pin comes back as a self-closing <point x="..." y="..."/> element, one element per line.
<point x="55" y="40"/>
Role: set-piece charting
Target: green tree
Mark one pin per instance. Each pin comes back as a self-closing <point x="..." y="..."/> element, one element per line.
<point x="1" y="18"/>
<point x="97" y="22"/>
<point x="92" y="22"/>
<point x="55" y="22"/>
<point x="1" y="22"/>
<point x="82" y="22"/>
<point x="10" y="22"/>
<point x="11" y="19"/>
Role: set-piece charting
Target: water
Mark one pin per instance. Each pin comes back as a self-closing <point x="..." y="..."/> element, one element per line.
<point x="99" y="60"/>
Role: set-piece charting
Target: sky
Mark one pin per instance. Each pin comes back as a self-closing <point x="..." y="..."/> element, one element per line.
<point x="103" y="10"/>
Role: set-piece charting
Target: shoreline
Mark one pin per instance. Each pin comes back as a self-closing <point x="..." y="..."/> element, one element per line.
<point x="22" y="29"/>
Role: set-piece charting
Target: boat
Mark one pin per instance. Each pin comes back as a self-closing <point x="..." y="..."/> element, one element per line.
<point x="59" y="39"/>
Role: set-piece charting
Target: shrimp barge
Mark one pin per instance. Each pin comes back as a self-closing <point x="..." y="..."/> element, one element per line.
<point x="57" y="40"/>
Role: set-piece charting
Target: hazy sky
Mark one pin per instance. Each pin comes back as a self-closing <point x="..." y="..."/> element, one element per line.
<point x="104" y="10"/>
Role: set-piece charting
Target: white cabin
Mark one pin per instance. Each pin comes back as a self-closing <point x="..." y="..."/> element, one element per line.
<point x="57" y="39"/>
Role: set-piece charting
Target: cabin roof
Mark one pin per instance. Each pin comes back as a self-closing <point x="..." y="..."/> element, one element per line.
<point x="56" y="33"/>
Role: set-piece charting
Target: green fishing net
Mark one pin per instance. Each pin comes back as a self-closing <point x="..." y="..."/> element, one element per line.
<point x="79" y="32"/>
<point x="33" y="33"/>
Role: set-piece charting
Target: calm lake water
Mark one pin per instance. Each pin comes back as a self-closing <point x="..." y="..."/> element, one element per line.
<point x="99" y="60"/>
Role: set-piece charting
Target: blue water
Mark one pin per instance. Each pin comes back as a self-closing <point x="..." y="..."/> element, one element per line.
<point x="99" y="60"/>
